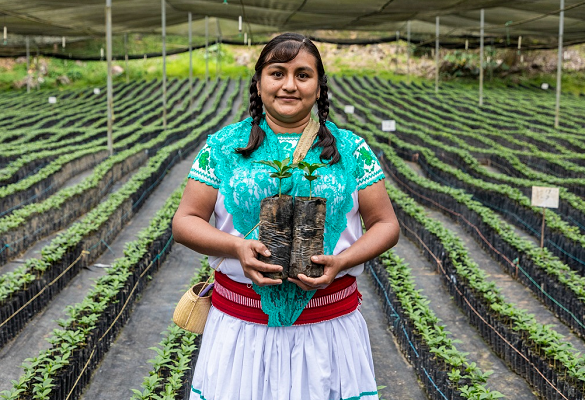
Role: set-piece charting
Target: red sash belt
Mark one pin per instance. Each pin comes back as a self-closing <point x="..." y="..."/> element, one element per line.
<point x="241" y="301"/>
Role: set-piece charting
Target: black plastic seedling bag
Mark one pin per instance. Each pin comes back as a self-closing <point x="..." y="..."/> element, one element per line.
<point x="308" y="229"/>
<point x="276" y="215"/>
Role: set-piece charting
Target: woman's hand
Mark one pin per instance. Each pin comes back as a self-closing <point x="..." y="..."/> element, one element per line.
<point x="247" y="252"/>
<point x="332" y="265"/>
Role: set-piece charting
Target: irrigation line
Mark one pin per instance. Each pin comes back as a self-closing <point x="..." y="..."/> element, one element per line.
<point x="507" y="212"/>
<point x="403" y="329"/>
<point x="119" y="314"/>
<point x="487" y="242"/>
<point x="83" y="253"/>
<point x="491" y="327"/>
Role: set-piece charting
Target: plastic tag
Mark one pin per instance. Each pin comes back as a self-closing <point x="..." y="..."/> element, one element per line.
<point x="545" y="197"/>
<point x="389" y="125"/>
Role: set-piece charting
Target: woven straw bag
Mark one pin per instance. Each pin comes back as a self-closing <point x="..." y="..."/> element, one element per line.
<point x="191" y="311"/>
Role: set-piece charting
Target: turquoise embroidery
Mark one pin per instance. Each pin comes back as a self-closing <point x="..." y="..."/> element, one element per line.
<point x="358" y="397"/>
<point x="245" y="183"/>
<point x="201" y="397"/>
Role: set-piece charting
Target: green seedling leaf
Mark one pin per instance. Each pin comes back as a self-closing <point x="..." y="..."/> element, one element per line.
<point x="282" y="170"/>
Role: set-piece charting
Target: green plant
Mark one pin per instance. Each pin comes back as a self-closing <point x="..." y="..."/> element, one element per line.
<point x="308" y="169"/>
<point x="282" y="170"/>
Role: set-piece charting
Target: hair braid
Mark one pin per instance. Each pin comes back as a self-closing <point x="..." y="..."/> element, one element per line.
<point x="326" y="138"/>
<point x="257" y="135"/>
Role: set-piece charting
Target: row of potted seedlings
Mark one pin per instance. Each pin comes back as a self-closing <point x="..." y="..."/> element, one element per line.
<point x="507" y="107"/>
<point x="176" y="354"/>
<point x="559" y="287"/>
<point x="78" y="199"/>
<point x="63" y="370"/>
<point x="26" y="290"/>
<point x="445" y="371"/>
<point x="534" y="351"/>
<point x="410" y="118"/>
<point x="565" y="240"/>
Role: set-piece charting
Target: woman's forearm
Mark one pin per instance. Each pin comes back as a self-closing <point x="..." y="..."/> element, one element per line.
<point x="199" y="235"/>
<point x="376" y="240"/>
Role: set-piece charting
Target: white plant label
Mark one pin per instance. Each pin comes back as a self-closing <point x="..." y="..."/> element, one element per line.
<point x="545" y="197"/>
<point x="349" y="109"/>
<point x="96" y="91"/>
<point x="52" y="100"/>
<point x="389" y="125"/>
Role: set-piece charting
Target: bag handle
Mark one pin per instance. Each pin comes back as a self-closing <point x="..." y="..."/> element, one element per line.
<point x="306" y="140"/>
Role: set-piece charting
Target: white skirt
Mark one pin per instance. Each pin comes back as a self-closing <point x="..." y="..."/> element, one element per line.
<point x="240" y="360"/>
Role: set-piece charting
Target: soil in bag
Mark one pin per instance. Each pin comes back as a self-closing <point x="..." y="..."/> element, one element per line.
<point x="308" y="229"/>
<point x="276" y="214"/>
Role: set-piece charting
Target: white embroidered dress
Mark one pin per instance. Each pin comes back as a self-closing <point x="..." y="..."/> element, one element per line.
<point x="330" y="360"/>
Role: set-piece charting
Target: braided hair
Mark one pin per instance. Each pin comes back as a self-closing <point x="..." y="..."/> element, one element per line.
<point x="283" y="49"/>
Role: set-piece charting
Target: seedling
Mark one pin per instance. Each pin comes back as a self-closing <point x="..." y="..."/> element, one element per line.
<point x="309" y="169"/>
<point x="282" y="170"/>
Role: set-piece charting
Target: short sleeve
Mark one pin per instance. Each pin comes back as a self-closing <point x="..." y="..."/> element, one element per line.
<point x="369" y="170"/>
<point x="202" y="170"/>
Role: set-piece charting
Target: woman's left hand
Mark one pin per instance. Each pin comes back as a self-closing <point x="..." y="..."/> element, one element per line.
<point x="331" y="267"/>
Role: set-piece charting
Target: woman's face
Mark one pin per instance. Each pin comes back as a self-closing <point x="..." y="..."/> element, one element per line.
<point x="289" y="90"/>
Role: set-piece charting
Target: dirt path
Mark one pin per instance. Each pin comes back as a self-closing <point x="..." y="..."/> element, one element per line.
<point x="126" y="363"/>
<point x="31" y="340"/>
<point x="427" y="279"/>
<point x="35" y="249"/>
<point x="512" y="290"/>
<point x="392" y="369"/>
<point x="153" y="313"/>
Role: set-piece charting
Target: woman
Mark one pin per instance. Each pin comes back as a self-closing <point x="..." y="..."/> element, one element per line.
<point x="303" y="338"/>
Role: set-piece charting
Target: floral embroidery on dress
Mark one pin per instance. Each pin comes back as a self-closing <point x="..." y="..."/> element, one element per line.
<point x="245" y="183"/>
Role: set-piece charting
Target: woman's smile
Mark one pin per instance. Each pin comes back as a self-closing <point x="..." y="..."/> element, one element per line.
<point x="289" y="91"/>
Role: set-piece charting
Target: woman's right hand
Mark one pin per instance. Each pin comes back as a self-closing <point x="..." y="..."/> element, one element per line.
<point x="248" y="251"/>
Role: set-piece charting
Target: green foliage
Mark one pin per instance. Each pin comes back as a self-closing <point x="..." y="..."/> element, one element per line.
<point x="283" y="170"/>
<point x="308" y="169"/>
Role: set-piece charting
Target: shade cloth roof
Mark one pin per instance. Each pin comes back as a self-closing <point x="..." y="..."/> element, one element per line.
<point x="536" y="21"/>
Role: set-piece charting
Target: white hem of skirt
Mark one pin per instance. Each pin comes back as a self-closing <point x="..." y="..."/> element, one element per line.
<point x="240" y="360"/>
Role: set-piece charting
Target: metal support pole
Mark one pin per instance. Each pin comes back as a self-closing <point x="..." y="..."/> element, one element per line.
<point x="190" y="59"/>
<point x="437" y="56"/>
<point x="481" y="36"/>
<point x="560" y="64"/>
<point x="126" y="57"/>
<point x="408" y="48"/>
<point x="217" y="63"/>
<point x="397" y="48"/>
<point x="27" y="65"/>
<point x="542" y="227"/>
<point x="206" y="49"/>
<point x="110" y="93"/>
<point x="164" y="68"/>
